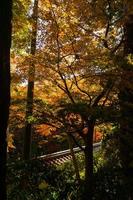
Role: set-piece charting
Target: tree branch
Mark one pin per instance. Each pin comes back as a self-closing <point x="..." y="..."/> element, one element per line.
<point x="100" y="96"/>
<point x="75" y="141"/>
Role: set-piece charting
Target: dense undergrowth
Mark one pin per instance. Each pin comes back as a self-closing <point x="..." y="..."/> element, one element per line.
<point x="36" y="180"/>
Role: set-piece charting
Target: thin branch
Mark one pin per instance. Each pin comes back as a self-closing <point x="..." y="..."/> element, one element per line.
<point x="100" y="96"/>
<point x="76" y="142"/>
<point x="60" y="86"/>
<point x="107" y="94"/>
<point x="118" y="46"/>
<point x="66" y="90"/>
<point x="76" y="83"/>
<point x="107" y="29"/>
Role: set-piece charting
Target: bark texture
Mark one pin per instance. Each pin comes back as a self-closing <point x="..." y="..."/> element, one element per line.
<point x="126" y="100"/>
<point x="5" y="44"/>
<point x="88" y="195"/>
<point x="30" y="90"/>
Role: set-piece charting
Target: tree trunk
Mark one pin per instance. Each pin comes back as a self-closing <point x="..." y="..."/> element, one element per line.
<point x="74" y="159"/>
<point x="89" y="162"/>
<point x="30" y="90"/>
<point x="126" y="102"/>
<point x="5" y="44"/>
<point x="126" y="99"/>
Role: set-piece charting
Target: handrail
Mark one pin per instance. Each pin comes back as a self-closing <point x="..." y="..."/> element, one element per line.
<point x="66" y="152"/>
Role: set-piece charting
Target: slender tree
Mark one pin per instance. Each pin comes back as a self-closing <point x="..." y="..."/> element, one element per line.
<point x="5" y="44"/>
<point x="75" y="163"/>
<point x="30" y="90"/>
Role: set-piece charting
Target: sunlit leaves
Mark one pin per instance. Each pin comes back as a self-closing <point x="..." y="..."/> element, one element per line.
<point x="10" y="142"/>
<point x="21" y="24"/>
<point x="73" y="58"/>
<point x="45" y="130"/>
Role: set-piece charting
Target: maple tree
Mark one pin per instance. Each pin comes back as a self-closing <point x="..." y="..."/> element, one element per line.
<point x="77" y="69"/>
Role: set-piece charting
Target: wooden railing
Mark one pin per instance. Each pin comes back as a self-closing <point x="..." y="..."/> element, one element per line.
<point x="62" y="156"/>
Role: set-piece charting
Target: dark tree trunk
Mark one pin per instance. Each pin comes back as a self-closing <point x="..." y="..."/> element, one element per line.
<point x="126" y="105"/>
<point x="88" y="194"/>
<point x="126" y="99"/>
<point x="30" y="90"/>
<point x="5" y="43"/>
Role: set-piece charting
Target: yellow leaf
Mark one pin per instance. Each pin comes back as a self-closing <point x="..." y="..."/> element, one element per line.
<point x="10" y="142"/>
<point x="43" y="185"/>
